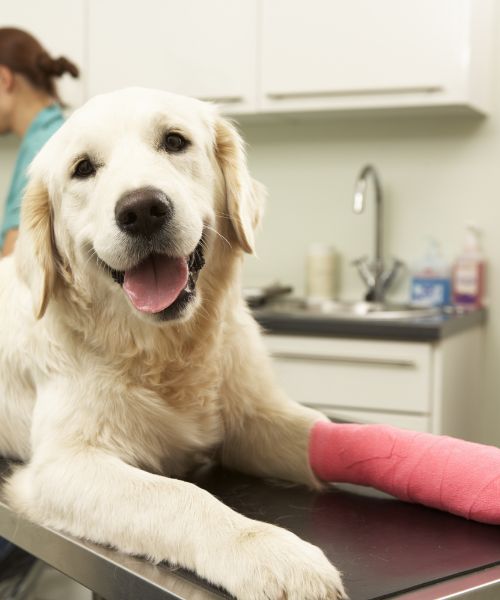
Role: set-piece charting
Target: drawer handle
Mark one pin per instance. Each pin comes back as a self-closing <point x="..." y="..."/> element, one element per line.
<point x="374" y="362"/>
<point x="396" y="91"/>
<point x="221" y="99"/>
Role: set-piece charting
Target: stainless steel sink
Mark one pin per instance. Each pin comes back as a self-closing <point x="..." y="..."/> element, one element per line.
<point x="349" y="310"/>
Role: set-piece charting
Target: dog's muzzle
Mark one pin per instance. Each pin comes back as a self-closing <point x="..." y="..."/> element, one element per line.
<point x="160" y="284"/>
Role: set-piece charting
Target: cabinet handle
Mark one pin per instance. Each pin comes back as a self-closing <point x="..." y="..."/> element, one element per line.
<point x="396" y="91"/>
<point x="346" y="360"/>
<point x="221" y="99"/>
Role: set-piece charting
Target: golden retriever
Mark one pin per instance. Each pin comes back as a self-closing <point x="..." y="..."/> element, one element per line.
<point x="128" y="355"/>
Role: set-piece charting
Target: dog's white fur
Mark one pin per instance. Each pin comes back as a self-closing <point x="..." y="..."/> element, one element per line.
<point x="104" y="403"/>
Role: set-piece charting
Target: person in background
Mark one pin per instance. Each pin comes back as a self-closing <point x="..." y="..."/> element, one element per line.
<point x="30" y="108"/>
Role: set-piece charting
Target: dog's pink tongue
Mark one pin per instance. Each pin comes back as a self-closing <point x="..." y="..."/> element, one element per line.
<point x="155" y="283"/>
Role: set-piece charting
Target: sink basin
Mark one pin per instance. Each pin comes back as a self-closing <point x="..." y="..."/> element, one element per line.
<point x="350" y="310"/>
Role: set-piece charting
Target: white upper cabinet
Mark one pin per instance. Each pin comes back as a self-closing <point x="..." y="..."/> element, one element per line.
<point x="58" y="25"/>
<point x="271" y="56"/>
<point x="338" y="54"/>
<point x="201" y="48"/>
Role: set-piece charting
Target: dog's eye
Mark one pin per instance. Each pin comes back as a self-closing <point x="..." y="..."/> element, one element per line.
<point x="84" y="168"/>
<point x="174" y="142"/>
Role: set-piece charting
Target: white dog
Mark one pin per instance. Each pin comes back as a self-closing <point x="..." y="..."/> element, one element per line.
<point x="128" y="354"/>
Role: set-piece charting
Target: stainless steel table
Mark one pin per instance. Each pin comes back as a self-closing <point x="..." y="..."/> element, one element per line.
<point x="384" y="547"/>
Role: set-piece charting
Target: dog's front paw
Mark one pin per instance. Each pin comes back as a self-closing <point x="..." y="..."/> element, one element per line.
<point x="270" y="563"/>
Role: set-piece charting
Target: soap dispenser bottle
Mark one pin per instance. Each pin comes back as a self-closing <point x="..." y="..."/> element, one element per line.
<point x="469" y="272"/>
<point x="431" y="278"/>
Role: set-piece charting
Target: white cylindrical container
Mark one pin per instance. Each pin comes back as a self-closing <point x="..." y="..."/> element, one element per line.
<point x="321" y="272"/>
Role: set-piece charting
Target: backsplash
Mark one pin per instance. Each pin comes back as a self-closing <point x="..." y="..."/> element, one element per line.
<point x="437" y="174"/>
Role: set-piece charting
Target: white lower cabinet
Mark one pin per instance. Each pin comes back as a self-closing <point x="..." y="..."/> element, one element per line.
<point x="425" y="386"/>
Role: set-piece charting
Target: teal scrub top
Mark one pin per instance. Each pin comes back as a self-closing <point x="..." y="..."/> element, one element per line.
<point x="41" y="129"/>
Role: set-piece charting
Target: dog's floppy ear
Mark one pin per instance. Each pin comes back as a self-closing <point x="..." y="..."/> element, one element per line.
<point x="244" y="196"/>
<point x="35" y="252"/>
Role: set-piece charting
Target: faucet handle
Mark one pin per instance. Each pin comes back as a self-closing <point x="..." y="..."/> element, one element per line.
<point x="390" y="274"/>
<point x="377" y="278"/>
<point x="363" y="266"/>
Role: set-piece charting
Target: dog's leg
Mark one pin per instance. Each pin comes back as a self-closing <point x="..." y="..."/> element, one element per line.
<point x="89" y="492"/>
<point x="96" y="496"/>
<point x="272" y="439"/>
<point x="267" y="434"/>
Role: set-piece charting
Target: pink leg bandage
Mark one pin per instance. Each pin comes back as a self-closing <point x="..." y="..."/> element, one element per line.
<point x="443" y="472"/>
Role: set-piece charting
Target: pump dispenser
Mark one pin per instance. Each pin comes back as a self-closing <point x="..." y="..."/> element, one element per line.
<point x="469" y="272"/>
<point x="431" y="277"/>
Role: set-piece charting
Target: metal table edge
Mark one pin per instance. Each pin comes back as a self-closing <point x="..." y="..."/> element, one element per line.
<point x="88" y="564"/>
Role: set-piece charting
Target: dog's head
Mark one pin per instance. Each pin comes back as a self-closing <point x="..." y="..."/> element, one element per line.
<point x="132" y="194"/>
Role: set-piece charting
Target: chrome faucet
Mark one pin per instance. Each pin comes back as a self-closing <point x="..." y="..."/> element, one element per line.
<point x="377" y="276"/>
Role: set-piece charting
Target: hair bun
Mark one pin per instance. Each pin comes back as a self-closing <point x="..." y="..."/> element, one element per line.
<point x="56" y="67"/>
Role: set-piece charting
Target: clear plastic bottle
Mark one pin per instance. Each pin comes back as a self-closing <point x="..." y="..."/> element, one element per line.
<point x="469" y="272"/>
<point x="431" y="278"/>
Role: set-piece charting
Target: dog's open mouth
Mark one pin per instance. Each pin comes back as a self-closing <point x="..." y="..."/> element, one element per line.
<point x="162" y="284"/>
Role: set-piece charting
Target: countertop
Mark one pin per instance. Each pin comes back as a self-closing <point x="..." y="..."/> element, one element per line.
<point x="428" y="329"/>
<point x="384" y="547"/>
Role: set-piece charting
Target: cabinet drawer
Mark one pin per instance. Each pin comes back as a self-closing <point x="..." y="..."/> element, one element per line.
<point x="393" y="376"/>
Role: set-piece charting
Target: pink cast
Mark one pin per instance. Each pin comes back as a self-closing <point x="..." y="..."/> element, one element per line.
<point x="442" y="472"/>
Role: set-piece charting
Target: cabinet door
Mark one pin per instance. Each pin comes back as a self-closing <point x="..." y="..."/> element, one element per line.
<point x="364" y="53"/>
<point x="193" y="47"/>
<point x="59" y="26"/>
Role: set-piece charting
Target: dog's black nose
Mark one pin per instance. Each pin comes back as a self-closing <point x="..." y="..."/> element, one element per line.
<point x="143" y="211"/>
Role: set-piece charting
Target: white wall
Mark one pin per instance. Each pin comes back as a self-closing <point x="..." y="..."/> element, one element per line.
<point x="437" y="173"/>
